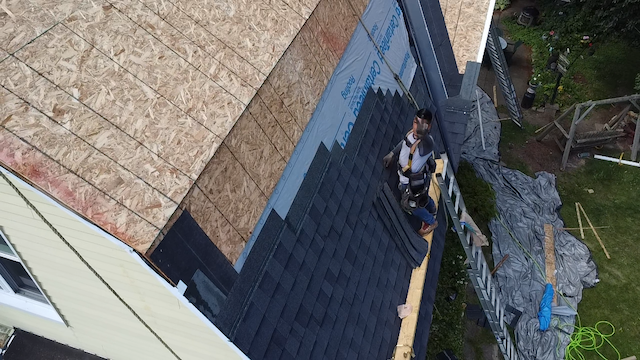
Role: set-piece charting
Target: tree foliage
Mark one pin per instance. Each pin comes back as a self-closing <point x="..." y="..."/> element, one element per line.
<point x="604" y="18"/>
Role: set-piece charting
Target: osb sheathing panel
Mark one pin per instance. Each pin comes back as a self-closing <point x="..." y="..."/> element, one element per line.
<point x="204" y="39"/>
<point x="154" y="64"/>
<point x="185" y="48"/>
<point x="80" y="158"/>
<point x="359" y="5"/>
<point x="119" y="97"/>
<point x="256" y="153"/>
<point x="278" y="109"/>
<point x="74" y="192"/>
<point x="23" y="20"/>
<point x="337" y="23"/>
<point x="465" y="21"/>
<point x="272" y="128"/>
<point x="214" y="224"/>
<point x="96" y="131"/>
<point x="298" y="80"/>
<point x="302" y="7"/>
<point x="258" y="31"/>
<point x="233" y="191"/>
<point x="319" y="53"/>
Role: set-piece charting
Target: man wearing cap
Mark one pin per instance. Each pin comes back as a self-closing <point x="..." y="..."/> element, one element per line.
<point x="415" y="166"/>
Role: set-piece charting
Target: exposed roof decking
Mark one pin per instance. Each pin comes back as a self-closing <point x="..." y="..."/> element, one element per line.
<point x="116" y="107"/>
<point x="466" y="21"/>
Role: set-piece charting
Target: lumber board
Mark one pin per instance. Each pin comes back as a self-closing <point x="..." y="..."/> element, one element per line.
<point x="406" y="336"/>
<point x="276" y="107"/>
<point x="550" y="259"/>
<point x="80" y="158"/>
<point x="308" y="35"/>
<point x="299" y="81"/>
<point x="579" y="220"/>
<point x="337" y="23"/>
<point x="97" y="132"/>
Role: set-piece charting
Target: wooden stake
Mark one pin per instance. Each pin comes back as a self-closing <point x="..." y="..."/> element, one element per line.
<point x="495" y="97"/>
<point x="594" y="231"/>
<point x="577" y="228"/>
<point x="579" y="220"/>
<point x="550" y="259"/>
<point x="499" y="264"/>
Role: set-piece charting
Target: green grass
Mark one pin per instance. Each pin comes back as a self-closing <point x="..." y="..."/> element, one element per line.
<point x="614" y="203"/>
<point x="448" y="327"/>
<point x="513" y="137"/>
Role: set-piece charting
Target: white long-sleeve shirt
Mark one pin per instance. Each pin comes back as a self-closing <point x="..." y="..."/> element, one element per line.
<point x="418" y="161"/>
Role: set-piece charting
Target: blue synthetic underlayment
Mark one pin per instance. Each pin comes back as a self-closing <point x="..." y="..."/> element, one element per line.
<point x="326" y="280"/>
<point x="329" y="284"/>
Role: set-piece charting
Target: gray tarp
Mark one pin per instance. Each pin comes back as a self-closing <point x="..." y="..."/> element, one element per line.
<point x="525" y="204"/>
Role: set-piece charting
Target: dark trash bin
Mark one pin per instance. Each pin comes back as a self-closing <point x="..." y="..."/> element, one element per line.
<point x="527" y="99"/>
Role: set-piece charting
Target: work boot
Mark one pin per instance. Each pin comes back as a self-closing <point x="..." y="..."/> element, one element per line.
<point x="427" y="229"/>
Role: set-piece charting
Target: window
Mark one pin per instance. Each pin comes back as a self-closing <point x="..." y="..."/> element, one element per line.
<point x="17" y="286"/>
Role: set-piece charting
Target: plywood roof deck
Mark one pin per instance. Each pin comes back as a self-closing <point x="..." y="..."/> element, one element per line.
<point x="466" y="21"/>
<point x="115" y="107"/>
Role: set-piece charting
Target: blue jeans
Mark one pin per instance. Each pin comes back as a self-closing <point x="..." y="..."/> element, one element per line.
<point x="427" y="213"/>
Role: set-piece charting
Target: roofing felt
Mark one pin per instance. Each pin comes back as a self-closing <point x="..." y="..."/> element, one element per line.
<point x="324" y="282"/>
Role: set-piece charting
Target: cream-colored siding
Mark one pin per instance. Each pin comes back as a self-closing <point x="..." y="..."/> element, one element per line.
<point x="99" y="323"/>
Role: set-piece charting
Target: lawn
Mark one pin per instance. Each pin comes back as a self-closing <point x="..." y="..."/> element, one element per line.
<point x="614" y="203"/>
<point x="605" y="70"/>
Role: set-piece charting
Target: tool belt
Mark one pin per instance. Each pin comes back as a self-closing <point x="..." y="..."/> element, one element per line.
<point x="416" y="194"/>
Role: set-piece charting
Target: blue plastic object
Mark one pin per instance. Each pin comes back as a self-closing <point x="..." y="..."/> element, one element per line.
<point x="544" y="315"/>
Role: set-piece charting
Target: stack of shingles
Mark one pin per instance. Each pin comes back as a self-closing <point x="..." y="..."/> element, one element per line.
<point x="331" y="280"/>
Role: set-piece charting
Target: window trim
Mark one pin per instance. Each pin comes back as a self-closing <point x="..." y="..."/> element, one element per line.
<point x="10" y="298"/>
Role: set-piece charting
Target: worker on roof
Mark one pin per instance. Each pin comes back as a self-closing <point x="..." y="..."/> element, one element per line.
<point x="416" y="163"/>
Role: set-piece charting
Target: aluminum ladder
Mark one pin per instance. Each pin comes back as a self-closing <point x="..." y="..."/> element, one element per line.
<point x="500" y="67"/>
<point x="478" y="269"/>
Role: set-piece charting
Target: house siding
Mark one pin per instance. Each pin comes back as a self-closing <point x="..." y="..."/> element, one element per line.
<point x="98" y="322"/>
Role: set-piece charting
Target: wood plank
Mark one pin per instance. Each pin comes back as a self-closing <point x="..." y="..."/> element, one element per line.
<point x="550" y="259"/>
<point x="406" y="337"/>
<point x="579" y="221"/>
<point x="594" y="232"/>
